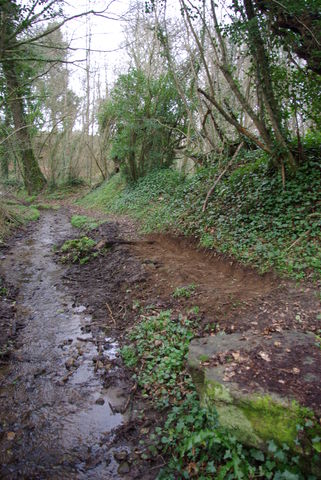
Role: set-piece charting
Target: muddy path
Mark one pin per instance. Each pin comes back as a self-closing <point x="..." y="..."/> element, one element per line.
<point x="54" y="409"/>
<point x="68" y="407"/>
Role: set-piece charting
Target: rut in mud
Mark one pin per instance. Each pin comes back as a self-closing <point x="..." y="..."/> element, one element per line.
<point x="54" y="409"/>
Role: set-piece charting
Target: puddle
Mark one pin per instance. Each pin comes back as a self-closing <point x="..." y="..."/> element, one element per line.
<point x="111" y="348"/>
<point x="54" y="410"/>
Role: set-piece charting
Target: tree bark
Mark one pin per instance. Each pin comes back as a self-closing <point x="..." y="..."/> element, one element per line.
<point x="265" y="82"/>
<point x="33" y="178"/>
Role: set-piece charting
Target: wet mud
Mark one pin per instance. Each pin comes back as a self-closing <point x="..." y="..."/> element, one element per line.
<point x="54" y="408"/>
<point x="68" y="407"/>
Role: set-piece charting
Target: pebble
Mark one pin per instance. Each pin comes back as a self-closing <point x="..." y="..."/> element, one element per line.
<point x="123" y="468"/>
<point x="120" y="455"/>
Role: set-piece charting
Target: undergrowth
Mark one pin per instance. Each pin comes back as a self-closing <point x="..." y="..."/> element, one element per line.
<point x="84" y="223"/>
<point x="78" y="250"/>
<point x="249" y="216"/>
<point x="191" y="438"/>
<point x="13" y="214"/>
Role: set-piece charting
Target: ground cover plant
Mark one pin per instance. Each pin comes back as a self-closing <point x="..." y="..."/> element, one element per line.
<point x="84" y="223"/>
<point x="191" y="438"/>
<point x="250" y="216"/>
<point x="78" y="250"/>
<point x="14" y="214"/>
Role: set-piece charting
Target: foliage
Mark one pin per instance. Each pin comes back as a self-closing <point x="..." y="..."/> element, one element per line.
<point x="105" y="194"/>
<point x="148" y="118"/>
<point x="163" y="341"/>
<point x="191" y="438"/>
<point x="184" y="292"/>
<point x="84" y="223"/>
<point x="78" y="250"/>
<point x="29" y="214"/>
<point x="3" y="288"/>
<point x="14" y="214"/>
<point x="249" y="216"/>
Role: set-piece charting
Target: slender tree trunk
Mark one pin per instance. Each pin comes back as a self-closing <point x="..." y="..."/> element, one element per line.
<point x="33" y="178"/>
<point x="4" y="165"/>
<point x="265" y="82"/>
<point x="132" y="157"/>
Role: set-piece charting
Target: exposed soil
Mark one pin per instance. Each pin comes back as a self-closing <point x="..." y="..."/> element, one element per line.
<point x="111" y="288"/>
<point x="8" y="322"/>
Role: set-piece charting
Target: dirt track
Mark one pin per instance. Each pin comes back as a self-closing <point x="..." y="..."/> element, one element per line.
<point x="74" y="317"/>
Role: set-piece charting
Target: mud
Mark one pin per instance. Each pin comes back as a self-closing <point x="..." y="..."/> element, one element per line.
<point x="69" y="408"/>
<point x="54" y="409"/>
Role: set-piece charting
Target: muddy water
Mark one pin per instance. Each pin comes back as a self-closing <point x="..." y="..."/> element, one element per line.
<point x="53" y="409"/>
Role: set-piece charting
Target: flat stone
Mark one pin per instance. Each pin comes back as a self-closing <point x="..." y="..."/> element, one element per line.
<point x="251" y="408"/>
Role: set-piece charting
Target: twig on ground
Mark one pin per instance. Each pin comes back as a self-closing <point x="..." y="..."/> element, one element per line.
<point x="111" y="313"/>
<point x="298" y="240"/>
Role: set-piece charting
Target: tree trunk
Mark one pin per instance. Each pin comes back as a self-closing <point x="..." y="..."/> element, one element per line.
<point x="265" y="82"/>
<point x="33" y="178"/>
<point x="132" y="156"/>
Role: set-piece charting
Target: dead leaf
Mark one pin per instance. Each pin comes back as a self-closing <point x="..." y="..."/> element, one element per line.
<point x="228" y="375"/>
<point x="100" y="244"/>
<point x="236" y="355"/>
<point x="264" y="356"/>
<point x="11" y="436"/>
<point x="277" y="344"/>
<point x="296" y="370"/>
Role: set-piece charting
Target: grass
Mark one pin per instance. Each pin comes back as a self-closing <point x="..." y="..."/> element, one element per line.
<point x="13" y="214"/>
<point x="85" y="223"/>
<point x="249" y="216"/>
<point x="104" y="195"/>
<point x="184" y="292"/>
<point x="27" y="214"/>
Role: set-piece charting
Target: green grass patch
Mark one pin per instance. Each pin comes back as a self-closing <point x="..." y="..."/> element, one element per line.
<point x="249" y="216"/>
<point x="14" y="214"/>
<point x="184" y="292"/>
<point x="27" y="214"/>
<point x="104" y="195"/>
<point x="46" y="206"/>
<point x="84" y="223"/>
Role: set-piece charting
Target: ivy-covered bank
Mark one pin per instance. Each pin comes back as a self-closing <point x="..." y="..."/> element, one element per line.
<point x="249" y="216"/>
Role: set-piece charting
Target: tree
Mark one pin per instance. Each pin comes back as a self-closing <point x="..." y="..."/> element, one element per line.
<point x="149" y="122"/>
<point x="246" y="77"/>
<point x="23" y="33"/>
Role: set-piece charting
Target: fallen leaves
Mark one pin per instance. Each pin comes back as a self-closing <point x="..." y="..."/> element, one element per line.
<point x="264" y="356"/>
<point x="11" y="436"/>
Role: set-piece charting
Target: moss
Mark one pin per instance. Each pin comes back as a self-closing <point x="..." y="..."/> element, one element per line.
<point x="274" y="420"/>
<point x="203" y="358"/>
<point x="255" y="420"/>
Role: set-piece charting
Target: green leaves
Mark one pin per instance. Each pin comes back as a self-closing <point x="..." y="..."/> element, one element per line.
<point x="148" y="122"/>
<point x="78" y="250"/>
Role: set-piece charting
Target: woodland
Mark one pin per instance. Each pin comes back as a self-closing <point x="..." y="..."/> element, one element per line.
<point x="210" y="129"/>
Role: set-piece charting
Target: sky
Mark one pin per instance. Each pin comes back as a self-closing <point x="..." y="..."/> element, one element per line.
<point x="108" y="55"/>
